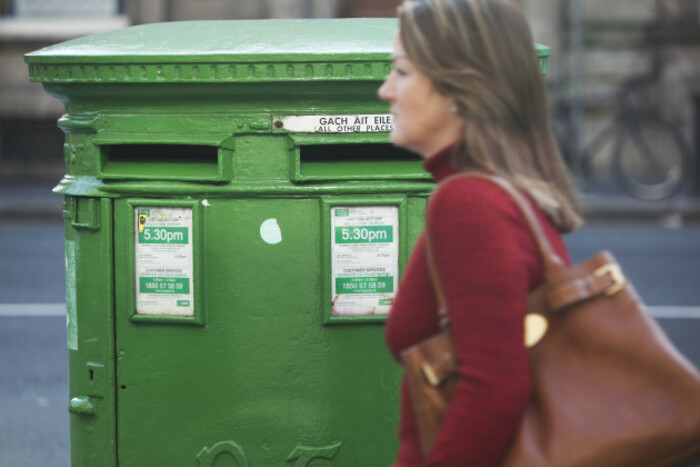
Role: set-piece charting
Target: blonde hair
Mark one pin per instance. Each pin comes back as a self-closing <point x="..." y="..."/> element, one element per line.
<point x="480" y="53"/>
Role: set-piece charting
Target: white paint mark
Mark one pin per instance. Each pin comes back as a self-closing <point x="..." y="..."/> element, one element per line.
<point x="205" y="203"/>
<point x="32" y="309"/>
<point x="675" y="312"/>
<point x="270" y="232"/>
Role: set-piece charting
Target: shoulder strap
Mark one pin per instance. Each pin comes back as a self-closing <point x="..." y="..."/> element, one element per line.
<point x="550" y="260"/>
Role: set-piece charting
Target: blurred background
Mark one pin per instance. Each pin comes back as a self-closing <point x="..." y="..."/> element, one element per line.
<point x="624" y="88"/>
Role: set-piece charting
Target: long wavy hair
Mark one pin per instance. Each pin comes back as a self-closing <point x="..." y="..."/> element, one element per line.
<point x="480" y="53"/>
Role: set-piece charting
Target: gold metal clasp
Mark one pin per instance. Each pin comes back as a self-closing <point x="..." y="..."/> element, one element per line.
<point x="536" y="327"/>
<point x="616" y="274"/>
<point x="429" y="375"/>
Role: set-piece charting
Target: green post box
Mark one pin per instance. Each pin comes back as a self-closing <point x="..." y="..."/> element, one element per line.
<point x="236" y="225"/>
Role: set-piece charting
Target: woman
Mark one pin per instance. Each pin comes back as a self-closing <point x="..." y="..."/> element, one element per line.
<point x="466" y="93"/>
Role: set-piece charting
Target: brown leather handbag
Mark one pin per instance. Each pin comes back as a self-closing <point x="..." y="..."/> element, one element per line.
<point x="609" y="388"/>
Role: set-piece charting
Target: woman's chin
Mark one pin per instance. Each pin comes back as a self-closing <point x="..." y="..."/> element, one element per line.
<point x="397" y="140"/>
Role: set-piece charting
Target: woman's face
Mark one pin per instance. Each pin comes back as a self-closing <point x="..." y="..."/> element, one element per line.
<point x="424" y="119"/>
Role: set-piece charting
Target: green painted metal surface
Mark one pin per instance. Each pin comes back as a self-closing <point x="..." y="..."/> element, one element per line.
<point x="188" y="157"/>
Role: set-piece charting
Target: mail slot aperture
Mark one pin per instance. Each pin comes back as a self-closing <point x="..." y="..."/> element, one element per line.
<point x="160" y="161"/>
<point x="369" y="161"/>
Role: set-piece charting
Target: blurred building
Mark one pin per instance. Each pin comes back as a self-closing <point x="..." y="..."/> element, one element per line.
<point x="599" y="49"/>
<point x="30" y="142"/>
<point x="641" y="56"/>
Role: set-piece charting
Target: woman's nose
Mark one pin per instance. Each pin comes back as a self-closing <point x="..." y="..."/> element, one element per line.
<point x="385" y="91"/>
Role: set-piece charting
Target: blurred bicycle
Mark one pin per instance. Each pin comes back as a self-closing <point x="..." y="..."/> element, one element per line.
<point x="649" y="157"/>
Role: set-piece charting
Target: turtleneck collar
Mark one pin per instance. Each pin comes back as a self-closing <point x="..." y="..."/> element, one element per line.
<point x="440" y="164"/>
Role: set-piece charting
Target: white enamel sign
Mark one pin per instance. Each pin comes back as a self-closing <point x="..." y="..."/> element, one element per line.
<point x="366" y="123"/>
<point x="163" y="261"/>
<point x="364" y="259"/>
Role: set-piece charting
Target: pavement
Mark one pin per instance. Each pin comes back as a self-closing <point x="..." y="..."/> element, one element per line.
<point x="33" y="200"/>
<point x="670" y="213"/>
<point x="29" y="200"/>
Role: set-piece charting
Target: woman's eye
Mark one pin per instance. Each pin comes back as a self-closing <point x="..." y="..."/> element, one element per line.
<point x="400" y="71"/>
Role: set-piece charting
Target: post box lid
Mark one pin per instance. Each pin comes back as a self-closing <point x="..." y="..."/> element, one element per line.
<point x="210" y="51"/>
<point x="226" y="51"/>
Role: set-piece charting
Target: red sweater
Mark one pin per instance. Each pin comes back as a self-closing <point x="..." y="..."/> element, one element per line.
<point x="487" y="262"/>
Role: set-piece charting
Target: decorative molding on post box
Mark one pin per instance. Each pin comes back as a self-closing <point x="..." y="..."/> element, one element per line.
<point x="264" y="72"/>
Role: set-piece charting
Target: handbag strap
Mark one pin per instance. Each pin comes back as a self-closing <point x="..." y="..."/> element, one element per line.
<point x="550" y="260"/>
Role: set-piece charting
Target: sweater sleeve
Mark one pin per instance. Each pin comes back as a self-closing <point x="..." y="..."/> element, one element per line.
<point x="487" y="263"/>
